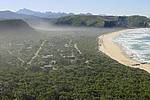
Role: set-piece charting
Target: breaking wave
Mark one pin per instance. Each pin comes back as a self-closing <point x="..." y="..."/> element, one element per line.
<point x="135" y="43"/>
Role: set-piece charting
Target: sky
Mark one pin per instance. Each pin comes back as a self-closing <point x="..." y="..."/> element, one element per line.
<point x="106" y="7"/>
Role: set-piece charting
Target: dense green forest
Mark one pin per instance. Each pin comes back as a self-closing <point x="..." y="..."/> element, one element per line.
<point x="81" y="21"/>
<point x="100" y="21"/>
<point x="93" y="76"/>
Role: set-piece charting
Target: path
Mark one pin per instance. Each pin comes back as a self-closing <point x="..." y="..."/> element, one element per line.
<point x="78" y="50"/>
<point x="37" y="53"/>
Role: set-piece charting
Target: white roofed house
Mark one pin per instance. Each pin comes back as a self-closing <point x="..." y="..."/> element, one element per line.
<point x="53" y="62"/>
<point x="66" y="45"/>
<point x="47" y="56"/>
<point x="47" y="67"/>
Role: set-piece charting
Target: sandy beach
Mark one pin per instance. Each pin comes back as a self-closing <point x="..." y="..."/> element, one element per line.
<point x="114" y="51"/>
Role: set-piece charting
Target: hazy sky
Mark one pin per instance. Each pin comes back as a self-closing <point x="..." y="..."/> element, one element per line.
<point x="109" y="7"/>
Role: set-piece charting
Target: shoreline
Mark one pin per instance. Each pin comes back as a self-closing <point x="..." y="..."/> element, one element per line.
<point x="114" y="51"/>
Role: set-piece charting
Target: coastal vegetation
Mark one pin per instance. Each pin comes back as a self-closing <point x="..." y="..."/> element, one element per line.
<point x="67" y="65"/>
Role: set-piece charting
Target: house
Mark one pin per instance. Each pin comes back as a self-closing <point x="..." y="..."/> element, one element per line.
<point x="53" y="62"/>
<point x="47" y="56"/>
<point x="47" y="67"/>
<point x="66" y="45"/>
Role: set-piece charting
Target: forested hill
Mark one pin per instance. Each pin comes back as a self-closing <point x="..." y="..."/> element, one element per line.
<point x="104" y="21"/>
<point x="14" y="24"/>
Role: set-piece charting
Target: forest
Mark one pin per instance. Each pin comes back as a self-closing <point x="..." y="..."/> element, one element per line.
<point x="68" y="66"/>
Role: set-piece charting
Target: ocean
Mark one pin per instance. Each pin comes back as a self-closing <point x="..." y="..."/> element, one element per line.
<point x="135" y="43"/>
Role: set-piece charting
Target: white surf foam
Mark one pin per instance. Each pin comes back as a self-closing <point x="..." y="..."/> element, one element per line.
<point x="135" y="43"/>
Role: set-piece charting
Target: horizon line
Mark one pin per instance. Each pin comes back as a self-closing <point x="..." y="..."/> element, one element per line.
<point x="84" y="13"/>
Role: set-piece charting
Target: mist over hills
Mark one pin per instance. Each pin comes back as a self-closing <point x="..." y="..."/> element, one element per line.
<point x="16" y="29"/>
<point x="40" y="61"/>
<point x="87" y="20"/>
<point x="14" y="24"/>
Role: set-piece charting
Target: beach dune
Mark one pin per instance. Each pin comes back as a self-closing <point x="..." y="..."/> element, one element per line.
<point x="114" y="51"/>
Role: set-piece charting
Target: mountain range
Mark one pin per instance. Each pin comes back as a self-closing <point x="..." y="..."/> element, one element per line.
<point x="13" y="15"/>
<point x="42" y="14"/>
<point x="29" y="14"/>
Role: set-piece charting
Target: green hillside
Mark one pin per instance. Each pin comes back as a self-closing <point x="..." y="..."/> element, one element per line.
<point x="14" y="24"/>
<point x="101" y="21"/>
<point x="95" y="21"/>
<point x="138" y="21"/>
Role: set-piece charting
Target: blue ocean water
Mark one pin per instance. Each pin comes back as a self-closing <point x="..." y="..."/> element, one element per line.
<point x="135" y="43"/>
